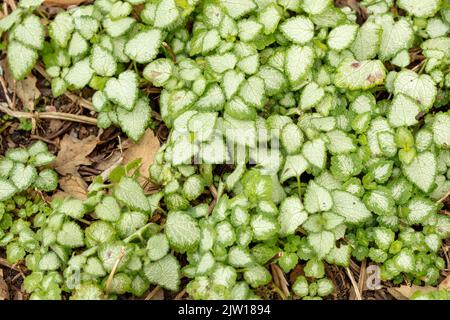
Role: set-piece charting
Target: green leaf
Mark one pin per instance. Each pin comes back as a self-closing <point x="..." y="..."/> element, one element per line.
<point x="379" y="201"/>
<point x="419" y="209"/>
<point x="157" y="246"/>
<point x="239" y="257"/>
<point x="117" y="28"/>
<point x="441" y="130"/>
<point x="311" y="95"/>
<point x="123" y="90"/>
<point x="292" y="215"/>
<point x="299" y="60"/>
<point x="350" y="207"/>
<point x="144" y="46"/>
<point x="159" y="71"/>
<point x="49" y="262"/>
<point x="108" y="209"/>
<point x="396" y="36"/>
<point x="299" y="30"/>
<point x="317" y="198"/>
<point x="120" y="9"/>
<point x="367" y="41"/>
<point x="422" y="170"/>
<point x="30" y="32"/>
<point x="23" y="176"/>
<point x="360" y="75"/>
<point x="131" y="194"/>
<point x="47" y="180"/>
<point x="182" y="231"/>
<point x="300" y="286"/>
<point x="103" y="62"/>
<point x="315" y="152"/>
<point x="74" y="208"/>
<point x="61" y="28"/>
<point x="6" y="165"/>
<point x="70" y="235"/>
<point x="252" y="91"/>
<point x="422" y="9"/>
<point x="79" y="74"/>
<point x="8" y="21"/>
<point x="264" y="226"/>
<point x="30" y="4"/>
<point x="420" y="88"/>
<point x="7" y="189"/>
<point x="294" y="166"/>
<point x="269" y="17"/>
<point x="221" y="63"/>
<point x="166" y="14"/>
<point x="257" y="276"/>
<point x="135" y="122"/>
<point x="237" y="9"/>
<point x="21" y="59"/>
<point x="291" y="138"/>
<point x="18" y="155"/>
<point x="321" y="242"/>
<point x="342" y="36"/>
<point x="164" y="272"/>
<point x="403" y="111"/>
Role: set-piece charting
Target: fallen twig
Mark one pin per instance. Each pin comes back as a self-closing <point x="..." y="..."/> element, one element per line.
<point x="354" y="284"/>
<point x="48" y="115"/>
<point x="73" y="97"/>
<point x="169" y="49"/>
<point x="180" y="294"/>
<point x="113" y="271"/>
<point x="153" y="293"/>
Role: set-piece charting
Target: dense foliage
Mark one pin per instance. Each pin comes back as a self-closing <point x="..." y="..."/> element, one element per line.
<point x="345" y="136"/>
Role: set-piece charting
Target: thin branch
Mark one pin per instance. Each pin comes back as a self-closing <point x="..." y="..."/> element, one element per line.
<point x="113" y="271"/>
<point x="362" y="276"/>
<point x="444" y="197"/>
<point x="169" y="49"/>
<point x="5" y="91"/>
<point x="73" y="97"/>
<point x="354" y="284"/>
<point x="180" y="294"/>
<point x="49" y="115"/>
<point x="153" y="293"/>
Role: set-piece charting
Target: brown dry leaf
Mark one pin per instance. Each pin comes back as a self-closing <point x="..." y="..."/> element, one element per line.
<point x="74" y="186"/>
<point x="25" y="90"/>
<point x="145" y="149"/>
<point x="407" y="291"/>
<point x="4" y="291"/>
<point x="73" y="153"/>
<point x="445" y="284"/>
<point x="106" y="163"/>
<point x="64" y="3"/>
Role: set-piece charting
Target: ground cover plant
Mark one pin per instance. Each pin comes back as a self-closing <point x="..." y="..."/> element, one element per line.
<point x="304" y="143"/>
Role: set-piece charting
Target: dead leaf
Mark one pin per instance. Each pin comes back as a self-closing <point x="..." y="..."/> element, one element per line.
<point x="4" y="290"/>
<point x="64" y="3"/>
<point x="26" y="89"/>
<point x="74" y="186"/>
<point x="404" y="292"/>
<point x="106" y="163"/>
<point x="27" y="92"/>
<point x="145" y="149"/>
<point x="73" y="153"/>
<point x="445" y="284"/>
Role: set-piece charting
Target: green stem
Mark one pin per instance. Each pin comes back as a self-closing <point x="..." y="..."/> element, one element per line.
<point x="299" y="187"/>
<point x="138" y="233"/>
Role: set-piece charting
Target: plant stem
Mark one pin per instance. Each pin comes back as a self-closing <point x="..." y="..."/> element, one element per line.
<point x="48" y="115"/>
